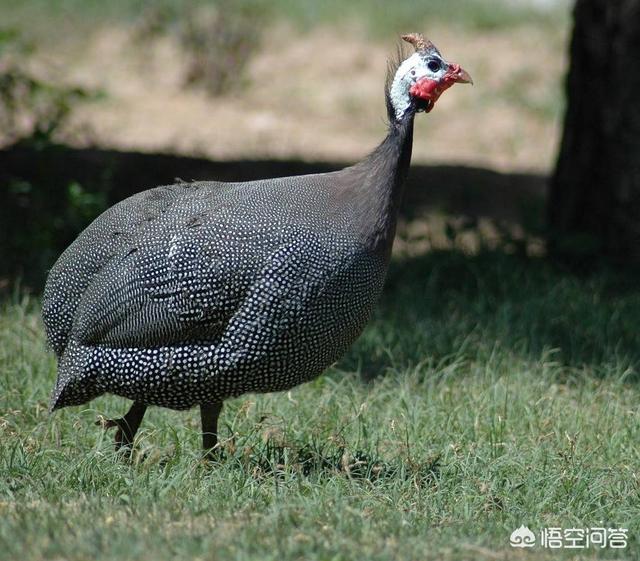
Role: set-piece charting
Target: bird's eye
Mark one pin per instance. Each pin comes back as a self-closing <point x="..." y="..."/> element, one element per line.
<point x="433" y="65"/>
<point x="413" y="72"/>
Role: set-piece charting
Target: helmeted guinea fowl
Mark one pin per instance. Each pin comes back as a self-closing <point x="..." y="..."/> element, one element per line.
<point x="193" y="293"/>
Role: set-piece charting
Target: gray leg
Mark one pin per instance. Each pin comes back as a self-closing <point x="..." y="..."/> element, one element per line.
<point x="128" y="425"/>
<point x="209" y="413"/>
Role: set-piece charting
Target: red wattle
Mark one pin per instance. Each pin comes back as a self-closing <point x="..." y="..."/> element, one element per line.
<point x="431" y="90"/>
<point x="424" y="89"/>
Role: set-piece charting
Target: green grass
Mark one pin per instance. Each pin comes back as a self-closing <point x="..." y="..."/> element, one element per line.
<point x="58" y="19"/>
<point x="501" y="392"/>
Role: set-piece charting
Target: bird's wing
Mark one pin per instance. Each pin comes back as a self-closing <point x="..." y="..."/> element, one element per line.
<point x="106" y="239"/>
<point x="172" y="286"/>
<point x="181" y="268"/>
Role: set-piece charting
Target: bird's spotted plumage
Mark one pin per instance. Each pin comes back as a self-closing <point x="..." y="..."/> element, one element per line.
<point x="192" y="293"/>
<point x="220" y="289"/>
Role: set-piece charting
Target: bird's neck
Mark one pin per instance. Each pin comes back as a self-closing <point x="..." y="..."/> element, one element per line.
<point x="379" y="191"/>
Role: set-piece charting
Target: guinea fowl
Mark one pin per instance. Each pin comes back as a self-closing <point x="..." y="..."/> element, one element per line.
<point x="193" y="293"/>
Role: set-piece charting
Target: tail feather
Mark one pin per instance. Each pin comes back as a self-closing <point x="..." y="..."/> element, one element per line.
<point x="76" y="382"/>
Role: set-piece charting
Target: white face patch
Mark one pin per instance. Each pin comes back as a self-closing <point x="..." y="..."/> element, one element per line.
<point x="417" y="66"/>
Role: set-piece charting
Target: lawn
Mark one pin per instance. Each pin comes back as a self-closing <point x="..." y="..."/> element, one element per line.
<point x="488" y="392"/>
<point x="377" y="16"/>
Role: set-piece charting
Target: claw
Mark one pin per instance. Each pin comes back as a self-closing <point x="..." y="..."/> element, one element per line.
<point x="108" y="423"/>
<point x="214" y="454"/>
<point x="127" y="426"/>
<point x="121" y="438"/>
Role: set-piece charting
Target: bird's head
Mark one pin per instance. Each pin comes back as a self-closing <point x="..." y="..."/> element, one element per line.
<point x="420" y="79"/>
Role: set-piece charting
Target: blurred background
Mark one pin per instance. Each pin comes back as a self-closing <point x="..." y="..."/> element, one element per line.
<point x="99" y="100"/>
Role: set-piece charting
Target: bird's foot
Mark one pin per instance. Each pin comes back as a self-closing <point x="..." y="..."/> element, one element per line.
<point x="214" y="454"/>
<point x="123" y="438"/>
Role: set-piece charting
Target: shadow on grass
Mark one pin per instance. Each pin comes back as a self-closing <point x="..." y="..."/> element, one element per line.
<point x="276" y="460"/>
<point x="442" y="305"/>
<point x="48" y="195"/>
<point x="451" y="307"/>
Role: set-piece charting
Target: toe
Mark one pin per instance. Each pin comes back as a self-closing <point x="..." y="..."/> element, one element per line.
<point x="108" y="423"/>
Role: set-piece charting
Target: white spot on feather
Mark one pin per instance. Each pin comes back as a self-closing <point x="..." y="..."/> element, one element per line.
<point x="173" y="246"/>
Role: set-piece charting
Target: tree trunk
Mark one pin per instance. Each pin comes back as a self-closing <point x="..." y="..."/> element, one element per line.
<point x="594" y="205"/>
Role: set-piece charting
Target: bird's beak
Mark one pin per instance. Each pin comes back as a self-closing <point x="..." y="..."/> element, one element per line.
<point x="459" y="75"/>
<point x="429" y="90"/>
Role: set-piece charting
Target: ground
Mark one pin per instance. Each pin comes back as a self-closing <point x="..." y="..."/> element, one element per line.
<point x="488" y="392"/>
<point x="316" y="94"/>
<point x="492" y="389"/>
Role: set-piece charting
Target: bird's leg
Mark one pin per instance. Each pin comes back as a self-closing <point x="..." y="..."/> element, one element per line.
<point x="209" y="413"/>
<point x="128" y="425"/>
